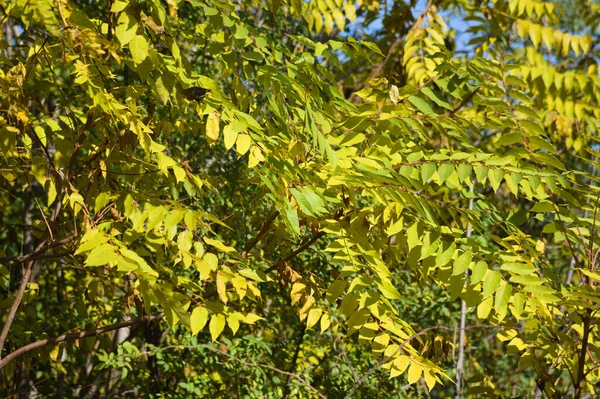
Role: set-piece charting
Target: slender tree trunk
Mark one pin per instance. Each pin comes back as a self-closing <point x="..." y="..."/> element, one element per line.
<point x="463" y="322"/>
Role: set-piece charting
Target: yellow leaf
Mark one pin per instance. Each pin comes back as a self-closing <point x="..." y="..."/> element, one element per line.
<point x="429" y="379"/>
<point x="218" y="245"/>
<point x="350" y="10"/>
<point x="212" y="127"/>
<point x="255" y="157"/>
<point x="328" y="23"/>
<point x="222" y="287"/>
<point x="400" y="364"/>
<point x="208" y="264"/>
<point x="318" y="20"/>
<point x="325" y="322"/>
<point x="216" y="326"/>
<point x="54" y="352"/>
<point x="239" y="283"/>
<point x="198" y="319"/>
<point x="566" y="44"/>
<point x="243" y="143"/>
<point x="313" y="317"/>
<point x="251" y="318"/>
<point x="340" y="20"/>
<point x="229" y="136"/>
<point x="233" y="321"/>
<point x="414" y="372"/>
<point x="548" y="36"/>
<point x="535" y="34"/>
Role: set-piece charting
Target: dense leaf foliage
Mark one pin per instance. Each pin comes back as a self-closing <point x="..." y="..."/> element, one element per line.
<point x="289" y="198"/>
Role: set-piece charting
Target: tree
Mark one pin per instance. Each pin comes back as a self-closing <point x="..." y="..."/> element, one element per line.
<point x="414" y="221"/>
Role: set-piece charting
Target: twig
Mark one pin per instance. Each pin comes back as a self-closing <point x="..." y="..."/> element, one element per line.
<point x="265" y="228"/>
<point x="354" y="376"/>
<point x="38" y="253"/>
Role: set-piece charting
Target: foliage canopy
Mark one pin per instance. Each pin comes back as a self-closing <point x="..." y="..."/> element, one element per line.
<point x="287" y="198"/>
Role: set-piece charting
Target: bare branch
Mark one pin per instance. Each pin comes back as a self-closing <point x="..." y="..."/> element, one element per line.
<point x="75" y="336"/>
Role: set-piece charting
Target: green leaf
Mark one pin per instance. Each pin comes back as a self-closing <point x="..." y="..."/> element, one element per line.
<point x="421" y="105"/>
<point x="444" y="171"/>
<point x="427" y="170"/>
<point x="139" y="49"/>
<point x="491" y="283"/>
<point x="101" y="255"/>
<point x="479" y="271"/>
<point x="444" y="257"/>
<point x="310" y="202"/>
<point x="462" y="263"/>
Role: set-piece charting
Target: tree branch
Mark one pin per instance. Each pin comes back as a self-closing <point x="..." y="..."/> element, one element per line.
<point x="265" y="228"/>
<point x="18" y="298"/>
<point x="75" y="336"/>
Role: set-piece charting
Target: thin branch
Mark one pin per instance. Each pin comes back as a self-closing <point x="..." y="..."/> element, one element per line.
<point x="38" y="253"/>
<point x="75" y="336"/>
<point x="265" y="228"/>
<point x="18" y="298"/>
<point x="581" y="375"/>
<point x="343" y="352"/>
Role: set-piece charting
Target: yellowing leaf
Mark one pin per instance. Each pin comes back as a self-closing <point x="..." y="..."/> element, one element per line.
<point x="339" y="18"/>
<point x="313" y="317"/>
<point x="350" y="10"/>
<point x="462" y="263"/>
<point x="229" y="136"/>
<point x="212" y="127"/>
<point x="394" y="94"/>
<point x="216" y="326"/>
<point x="198" y="319"/>
<point x="243" y="143"/>
<point x="491" y="283"/>
<point x="233" y="321"/>
<point x="484" y="308"/>
<point x="414" y="372"/>
<point x="251" y="318"/>
<point x="325" y="322"/>
<point x="101" y="255"/>
<point x="218" y="245"/>
<point x="548" y="36"/>
<point x="222" y="287"/>
<point x="255" y="157"/>
<point x="139" y="49"/>
<point x="535" y="34"/>
<point x="328" y="23"/>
